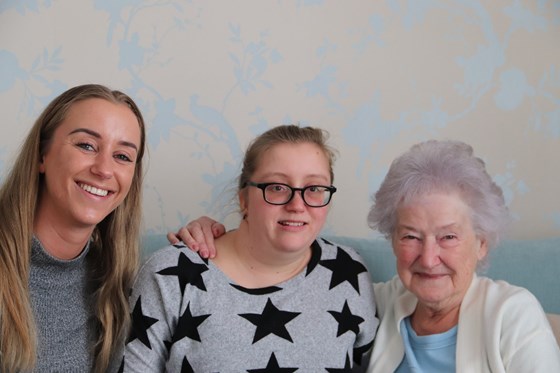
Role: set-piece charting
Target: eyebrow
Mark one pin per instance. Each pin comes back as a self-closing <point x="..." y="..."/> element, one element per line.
<point x="283" y="175"/>
<point x="97" y="135"/>
<point x="411" y="228"/>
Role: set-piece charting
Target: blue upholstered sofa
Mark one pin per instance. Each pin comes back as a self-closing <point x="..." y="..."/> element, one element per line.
<point x="533" y="264"/>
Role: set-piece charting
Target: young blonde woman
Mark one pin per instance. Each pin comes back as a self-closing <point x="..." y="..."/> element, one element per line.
<point x="70" y="211"/>
<point x="277" y="297"/>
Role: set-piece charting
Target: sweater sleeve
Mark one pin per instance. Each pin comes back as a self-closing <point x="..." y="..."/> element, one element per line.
<point x="503" y="328"/>
<point x="364" y="341"/>
<point x="527" y="342"/>
<point x="156" y="303"/>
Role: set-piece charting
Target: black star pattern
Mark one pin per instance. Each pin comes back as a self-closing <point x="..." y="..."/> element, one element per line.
<point x="347" y="322"/>
<point x="181" y="245"/>
<point x="168" y="345"/>
<point x="344" y="268"/>
<point x="257" y="291"/>
<point x="187" y="326"/>
<point x="271" y="321"/>
<point x="187" y="272"/>
<point x="140" y="325"/>
<point x="360" y="351"/>
<point x="347" y="367"/>
<point x="327" y="241"/>
<point x="186" y="366"/>
<point x="272" y="367"/>
<point x="315" y="257"/>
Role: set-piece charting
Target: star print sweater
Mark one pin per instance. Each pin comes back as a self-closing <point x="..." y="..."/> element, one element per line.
<point x="61" y="300"/>
<point x="189" y="317"/>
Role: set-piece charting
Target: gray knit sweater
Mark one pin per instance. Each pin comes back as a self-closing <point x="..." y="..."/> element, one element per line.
<point x="189" y="317"/>
<point x="61" y="298"/>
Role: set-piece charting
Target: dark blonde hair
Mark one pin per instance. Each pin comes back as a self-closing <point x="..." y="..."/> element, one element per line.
<point x="114" y="249"/>
<point x="284" y="134"/>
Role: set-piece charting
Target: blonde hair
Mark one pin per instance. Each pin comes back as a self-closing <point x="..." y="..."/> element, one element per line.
<point x="284" y="134"/>
<point x="114" y="248"/>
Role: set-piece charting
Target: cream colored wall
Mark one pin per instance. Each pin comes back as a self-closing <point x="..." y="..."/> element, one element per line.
<point x="379" y="75"/>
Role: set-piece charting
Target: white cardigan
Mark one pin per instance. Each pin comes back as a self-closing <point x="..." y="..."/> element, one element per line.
<point x="502" y="328"/>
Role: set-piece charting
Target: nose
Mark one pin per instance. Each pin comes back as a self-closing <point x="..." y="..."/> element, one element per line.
<point x="103" y="165"/>
<point x="296" y="203"/>
<point x="429" y="257"/>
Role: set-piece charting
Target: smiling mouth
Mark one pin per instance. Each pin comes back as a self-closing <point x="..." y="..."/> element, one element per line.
<point x="93" y="190"/>
<point x="292" y="223"/>
<point x="431" y="275"/>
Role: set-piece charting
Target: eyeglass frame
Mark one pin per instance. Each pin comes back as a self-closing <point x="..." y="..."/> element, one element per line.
<point x="262" y="186"/>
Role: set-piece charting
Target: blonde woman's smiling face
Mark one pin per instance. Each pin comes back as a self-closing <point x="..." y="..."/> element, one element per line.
<point x="437" y="249"/>
<point x="89" y="163"/>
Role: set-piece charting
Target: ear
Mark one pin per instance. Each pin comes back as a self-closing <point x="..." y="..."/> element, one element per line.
<point x="482" y="248"/>
<point x="42" y="165"/>
<point x="242" y="195"/>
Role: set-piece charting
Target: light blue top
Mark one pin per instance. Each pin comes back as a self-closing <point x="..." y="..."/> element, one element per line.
<point x="428" y="353"/>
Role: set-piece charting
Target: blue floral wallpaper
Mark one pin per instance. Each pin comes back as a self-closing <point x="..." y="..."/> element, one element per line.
<point x="378" y="75"/>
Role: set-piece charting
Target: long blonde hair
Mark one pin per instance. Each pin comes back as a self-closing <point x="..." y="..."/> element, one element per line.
<point x="114" y="248"/>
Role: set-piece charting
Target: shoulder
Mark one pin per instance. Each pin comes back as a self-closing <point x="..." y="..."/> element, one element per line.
<point x="387" y="293"/>
<point x="346" y="265"/>
<point x="512" y="316"/>
<point x="501" y="292"/>
<point x="393" y="287"/>
<point x="331" y="248"/>
<point x="169" y="256"/>
<point x="505" y="303"/>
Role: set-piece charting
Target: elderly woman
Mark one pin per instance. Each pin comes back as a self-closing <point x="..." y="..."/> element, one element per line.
<point x="443" y="213"/>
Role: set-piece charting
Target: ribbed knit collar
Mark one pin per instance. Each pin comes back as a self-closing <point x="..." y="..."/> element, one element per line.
<point x="40" y="255"/>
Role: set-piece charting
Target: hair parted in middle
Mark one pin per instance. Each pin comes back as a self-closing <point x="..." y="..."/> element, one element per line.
<point x="284" y="134"/>
<point x="441" y="166"/>
<point x="114" y="248"/>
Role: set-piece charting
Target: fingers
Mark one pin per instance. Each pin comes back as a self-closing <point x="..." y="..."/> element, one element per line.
<point x="218" y="229"/>
<point x="184" y="236"/>
<point x="199" y="236"/>
<point x="208" y="229"/>
<point x="193" y="236"/>
<point x="173" y="238"/>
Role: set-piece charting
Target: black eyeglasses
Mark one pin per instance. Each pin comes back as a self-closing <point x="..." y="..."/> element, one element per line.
<point x="282" y="194"/>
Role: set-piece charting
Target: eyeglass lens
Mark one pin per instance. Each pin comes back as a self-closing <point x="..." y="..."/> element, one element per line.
<point x="312" y="195"/>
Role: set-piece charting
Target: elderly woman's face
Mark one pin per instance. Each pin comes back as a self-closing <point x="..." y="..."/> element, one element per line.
<point x="437" y="249"/>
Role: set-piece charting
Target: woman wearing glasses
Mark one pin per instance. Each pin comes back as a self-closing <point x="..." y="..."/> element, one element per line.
<point x="277" y="298"/>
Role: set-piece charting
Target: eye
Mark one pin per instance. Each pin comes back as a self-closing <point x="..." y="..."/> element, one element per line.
<point x="277" y="188"/>
<point x="123" y="157"/>
<point x="85" y="146"/>
<point x="409" y="237"/>
<point x="449" y="240"/>
<point x="316" y="189"/>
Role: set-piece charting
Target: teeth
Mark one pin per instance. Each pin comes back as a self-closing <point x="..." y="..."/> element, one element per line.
<point x="292" y="224"/>
<point x="94" y="190"/>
